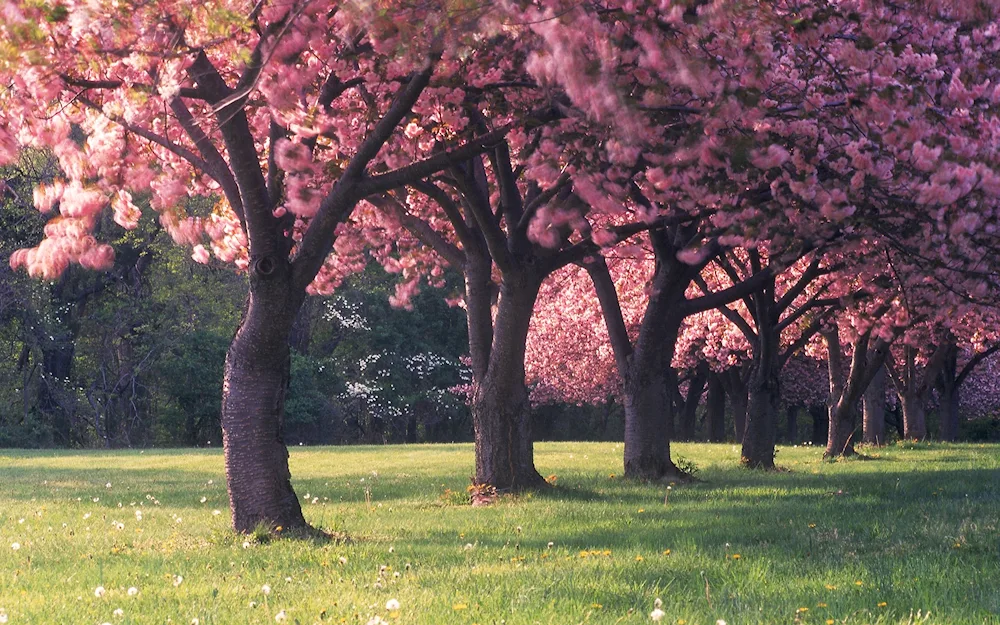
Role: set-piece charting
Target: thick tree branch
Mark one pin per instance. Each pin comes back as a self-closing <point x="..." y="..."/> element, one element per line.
<point x="339" y="202"/>
<point x="451" y="210"/>
<point x="611" y="310"/>
<point x="717" y="299"/>
<point x="420" y="229"/>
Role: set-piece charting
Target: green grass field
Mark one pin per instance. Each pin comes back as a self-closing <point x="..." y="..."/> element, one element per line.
<point x="910" y="533"/>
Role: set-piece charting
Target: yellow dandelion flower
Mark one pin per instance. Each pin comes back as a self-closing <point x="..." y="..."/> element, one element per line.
<point x="820" y="605"/>
<point x="882" y="604"/>
<point x="666" y="552"/>
<point x="829" y="621"/>
<point x="460" y="606"/>
<point x="831" y="587"/>
<point x="681" y="621"/>
<point x="812" y="525"/>
<point x="641" y="510"/>
<point x="859" y="583"/>
<point x="638" y="558"/>
<point x="736" y="556"/>
<point x="596" y="606"/>
<point x="803" y="609"/>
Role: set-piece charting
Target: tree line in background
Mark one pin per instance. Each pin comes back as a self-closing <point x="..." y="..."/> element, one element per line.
<point x="742" y="190"/>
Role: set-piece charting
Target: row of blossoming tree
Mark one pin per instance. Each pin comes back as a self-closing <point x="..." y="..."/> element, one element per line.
<point x="741" y="176"/>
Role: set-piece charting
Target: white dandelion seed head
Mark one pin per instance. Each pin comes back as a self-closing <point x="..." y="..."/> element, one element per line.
<point x="657" y="615"/>
<point x="118" y="612"/>
<point x="392" y="605"/>
<point x="15" y="546"/>
<point x="132" y="591"/>
<point x="658" y="603"/>
<point x="100" y="592"/>
<point x="265" y="589"/>
<point x="280" y="617"/>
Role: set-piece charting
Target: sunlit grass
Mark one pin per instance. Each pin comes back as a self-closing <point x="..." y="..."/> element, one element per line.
<point x="915" y="529"/>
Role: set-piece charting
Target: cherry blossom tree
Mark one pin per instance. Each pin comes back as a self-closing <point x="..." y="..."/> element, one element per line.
<point x="284" y="115"/>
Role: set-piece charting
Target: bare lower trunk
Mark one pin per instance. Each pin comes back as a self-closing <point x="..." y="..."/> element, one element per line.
<point x="840" y="437"/>
<point x="949" y="411"/>
<point x="253" y="401"/>
<point x="761" y="431"/>
<point x="874" y="410"/>
<point x="501" y="412"/>
<point x="914" y="418"/>
<point x="647" y="439"/>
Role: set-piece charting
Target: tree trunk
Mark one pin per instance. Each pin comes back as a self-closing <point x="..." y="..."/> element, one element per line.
<point x="792" y="431"/>
<point x="948" y="385"/>
<point x="647" y="439"/>
<point x="647" y="406"/>
<point x="840" y="438"/>
<point x="253" y="399"/>
<point x="715" y="409"/>
<point x="761" y="419"/>
<point x="761" y="428"/>
<point x="874" y="410"/>
<point x="949" y="411"/>
<point x="501" y="412"/>
<point x="914" y="417"/>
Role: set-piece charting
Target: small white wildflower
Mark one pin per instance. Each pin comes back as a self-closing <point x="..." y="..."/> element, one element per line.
<point x="280" y="617"/>
<point x="100" y="592"/>
<point x="657" y="615"/>
<point x="3" y="615"/>
<point x="392" y="605"/>
<point x="118" y="612"/>
<point x="246" y="544"/>
<point x="132" y="591"/>
<point x="720" y="622"/>
<point x="20" y="521"/>
<point x="216" y="512"/>
<point x="210" y="482"/>
<point x="396" y="575"/>
<point x="15" y="546"/>
<point x="204" y="499"/>
<point x="265" y="589"/>
<point x="658" y="603"/>
<point x="551" y="544"/>
<point x="377" y="620"/>
<point x="195" y="621"/>
<point x="288" y="579"/>
<point x="179" y="519"/>
<point x="96" y="499"/>
<point x="342" y="560"/>
<point x="178" y="580"/>
<point x="468" y="546"/>
<point x="86" y="516"/>
<point x="108" y="485"/>
<point x="138" y="515"/>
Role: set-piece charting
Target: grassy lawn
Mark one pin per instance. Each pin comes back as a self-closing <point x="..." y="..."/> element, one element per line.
<point x="914" y="529"/>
